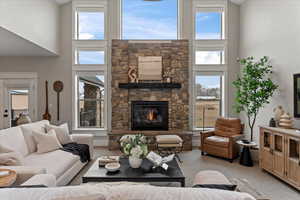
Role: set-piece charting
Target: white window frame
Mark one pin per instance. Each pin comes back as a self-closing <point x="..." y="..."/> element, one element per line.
<point x="88" y="69"/>
<point x="209" y="45"/>
<point x="223" y="93"/>
<point x="179" y="22"/>
<point x="76" y="99"/>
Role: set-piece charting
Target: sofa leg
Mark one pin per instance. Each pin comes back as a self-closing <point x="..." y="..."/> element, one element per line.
<point x="230" y="160"/>
<point x="202" y="153"/>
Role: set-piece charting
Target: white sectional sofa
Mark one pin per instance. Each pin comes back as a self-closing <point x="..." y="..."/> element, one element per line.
<point x="64" y="166"/>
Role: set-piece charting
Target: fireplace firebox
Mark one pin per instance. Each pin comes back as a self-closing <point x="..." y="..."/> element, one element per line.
<point x="149" y="115"/>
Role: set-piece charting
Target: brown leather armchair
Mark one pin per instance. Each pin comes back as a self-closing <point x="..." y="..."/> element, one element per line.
<point x="222" y="141"/>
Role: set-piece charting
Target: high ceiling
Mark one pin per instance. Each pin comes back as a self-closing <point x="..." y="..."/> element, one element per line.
<point x="66" y="1"/>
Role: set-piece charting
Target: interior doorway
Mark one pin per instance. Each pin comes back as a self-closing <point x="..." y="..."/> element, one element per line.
<point x="19" y="96"/>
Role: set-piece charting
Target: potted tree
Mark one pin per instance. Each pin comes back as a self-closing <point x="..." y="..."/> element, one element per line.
<point x="254" y="88"/>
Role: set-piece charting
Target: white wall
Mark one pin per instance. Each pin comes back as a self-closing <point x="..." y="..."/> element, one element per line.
<point x="272" y="28"/>
<point x="51" y="69"/>
<point x="34" y="20"/>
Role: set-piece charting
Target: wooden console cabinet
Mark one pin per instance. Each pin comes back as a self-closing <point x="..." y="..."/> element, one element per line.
<point x="280" y="154"/>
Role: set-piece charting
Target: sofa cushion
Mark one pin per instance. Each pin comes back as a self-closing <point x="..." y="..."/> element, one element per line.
<point x="27" y="132"/>
<point x="13" y="138"/>
<point x="56" y="162"/>
<point x="217" y="141"/>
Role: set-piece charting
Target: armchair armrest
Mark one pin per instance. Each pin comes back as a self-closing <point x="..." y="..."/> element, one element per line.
<point x="47" y="180"/>
<point x="207" y="134"/>
<point x="25" y="172"/>
<point x="85" y="139"/>
<point x="236" y="137"/>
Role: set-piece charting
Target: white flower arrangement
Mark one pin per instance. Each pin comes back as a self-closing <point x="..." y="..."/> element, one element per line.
<point x="134" y="145"/>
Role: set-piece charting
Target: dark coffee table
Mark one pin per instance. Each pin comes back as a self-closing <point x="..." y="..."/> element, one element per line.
<point x="126" y="173"/>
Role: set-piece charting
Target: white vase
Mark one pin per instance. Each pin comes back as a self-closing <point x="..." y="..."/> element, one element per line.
<point x="135" y="162"/>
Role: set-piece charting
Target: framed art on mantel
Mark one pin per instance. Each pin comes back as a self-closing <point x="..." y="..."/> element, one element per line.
<point x="297" y="95"/>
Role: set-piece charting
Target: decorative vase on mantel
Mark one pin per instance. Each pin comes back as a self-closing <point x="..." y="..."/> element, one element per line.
<point x="135" y="162"/>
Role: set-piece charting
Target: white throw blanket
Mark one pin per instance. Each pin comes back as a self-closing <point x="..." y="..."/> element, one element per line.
<point x="124" y="191"/>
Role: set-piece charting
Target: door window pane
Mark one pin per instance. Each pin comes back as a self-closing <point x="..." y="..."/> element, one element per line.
<point x="209" y="57"/>
<point x="87" y="57"/>
<point x="91" y="101"/>
<point x="90" y="26"/>
<point x="208" y="102"/>
<point x="209" y="26"/>
<point x="149" y="19"/>
<point x="19" y="104"/>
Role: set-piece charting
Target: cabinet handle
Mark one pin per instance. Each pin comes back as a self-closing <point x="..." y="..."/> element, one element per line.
<point x="299" y="163"/>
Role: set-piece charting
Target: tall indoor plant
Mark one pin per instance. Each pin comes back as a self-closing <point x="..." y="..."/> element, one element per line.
<point x="254" y="88"/>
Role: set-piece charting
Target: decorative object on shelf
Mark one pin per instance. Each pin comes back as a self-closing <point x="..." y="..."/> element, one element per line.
<point x="132" y="74"/>
<point x="58" y="87"/>
<point x="23" y="119"/>
<point x="286" y="121"/>
<point x="278" y="112"/>
<point x="150" y="85"/>
<point x="167" y="76"/>
<point x="272" y="122"/>
<point x="255" y="81"/>
<point x="135" y="147"/>
<point x="297" y="95"/>
<point x="150" y="68"/>
<point x="46" y="115"/>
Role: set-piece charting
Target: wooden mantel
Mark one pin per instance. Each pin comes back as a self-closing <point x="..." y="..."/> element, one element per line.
<point x="115" y="135"/>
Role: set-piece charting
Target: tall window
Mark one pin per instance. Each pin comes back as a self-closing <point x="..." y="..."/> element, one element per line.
<point x="90" y="100"/>
<point x="90" y="63"/>
<point x="209" y="63"/>
<point x="149" y="20"/>
<point x="208" y="99"/>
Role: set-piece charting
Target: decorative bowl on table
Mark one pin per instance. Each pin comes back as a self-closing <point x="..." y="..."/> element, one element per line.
<point x="112" y="167"/>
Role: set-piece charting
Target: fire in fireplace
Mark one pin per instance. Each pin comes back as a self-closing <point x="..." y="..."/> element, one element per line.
<point x="149" y="115"/>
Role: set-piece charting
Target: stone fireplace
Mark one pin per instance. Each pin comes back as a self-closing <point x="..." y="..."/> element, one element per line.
<point x="150" y="115"/>
<point x="175" y="61"/>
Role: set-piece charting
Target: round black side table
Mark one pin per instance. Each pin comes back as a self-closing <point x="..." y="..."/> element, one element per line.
<point x="246" y="158"/>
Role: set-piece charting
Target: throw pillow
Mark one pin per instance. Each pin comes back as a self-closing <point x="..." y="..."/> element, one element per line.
<point x="216" y="186"/>
<point x="32" y="145"/>
<point x="10" y="158"/>
<point x="62" y="133"/>
<point x="46" y="142"/>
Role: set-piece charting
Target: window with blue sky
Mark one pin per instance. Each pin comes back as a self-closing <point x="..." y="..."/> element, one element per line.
<point x="209" y="25"/>
<point x="89" y="57"/>
<point x="90" y="25"/>
<point x="149" y="20"/>
<point x="209" y="57"/>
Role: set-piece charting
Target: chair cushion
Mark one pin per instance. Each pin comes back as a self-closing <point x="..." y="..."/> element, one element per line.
<point x="13" y="138"/>
<point x="56" y="162"/>
<point x="217" y="141"/>
<point x="168" y="139"/>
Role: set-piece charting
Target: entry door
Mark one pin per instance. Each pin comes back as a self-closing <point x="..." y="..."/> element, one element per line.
<point x="18" y="97"/>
